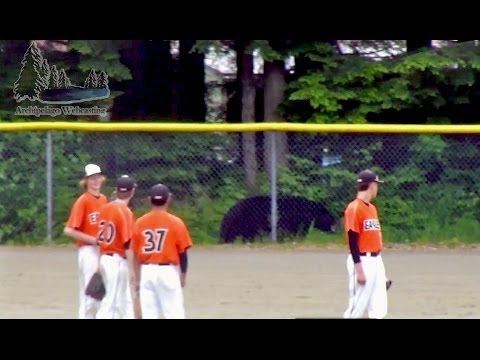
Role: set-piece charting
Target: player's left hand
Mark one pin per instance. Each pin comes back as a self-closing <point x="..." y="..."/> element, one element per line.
<point x="389" y="283"/>
<point x="183" y="279"/>
<point x="96" y="287"/>
<point x="135" y="284"/>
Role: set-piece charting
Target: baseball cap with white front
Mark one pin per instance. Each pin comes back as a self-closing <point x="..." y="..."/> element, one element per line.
<point x="125" y="183"/>
<point x="92" y="169"/>
<point x="368" y="176"/>
<point x="160" y="193"/>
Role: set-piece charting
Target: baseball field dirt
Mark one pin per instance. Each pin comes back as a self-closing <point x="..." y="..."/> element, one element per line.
<point x="228" y="282"/>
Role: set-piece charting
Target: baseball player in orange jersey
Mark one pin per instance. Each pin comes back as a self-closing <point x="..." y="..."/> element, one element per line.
<point x="160" y="243"/>
<point x="82" y="226"/>
<point x="366" y="271"/>
<point x="115" y="232"/>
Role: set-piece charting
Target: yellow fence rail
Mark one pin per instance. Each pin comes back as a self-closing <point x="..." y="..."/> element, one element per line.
<point x="244" y="127"/>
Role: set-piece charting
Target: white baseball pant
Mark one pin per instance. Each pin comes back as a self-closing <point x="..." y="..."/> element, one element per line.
<point x="87" y="265"/>
<point x="117" y="303"/>
<point x="372" y="296"/>
<point x="161" y="292"/>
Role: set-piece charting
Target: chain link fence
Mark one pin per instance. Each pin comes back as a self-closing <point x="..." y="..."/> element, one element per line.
<point x="297" y="184"/>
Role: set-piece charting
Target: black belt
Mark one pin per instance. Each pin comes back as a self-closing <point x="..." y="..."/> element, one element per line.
<point x="370" y="253"/>
<point x="160" y="264"/>
<point x="111" y="254"/>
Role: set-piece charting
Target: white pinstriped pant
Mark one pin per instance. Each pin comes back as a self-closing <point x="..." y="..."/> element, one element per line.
<point x="370" y="297"/>
<point x="117" y="303"/>
<point x="87" y="265"/>
<point x="161" y="292"/>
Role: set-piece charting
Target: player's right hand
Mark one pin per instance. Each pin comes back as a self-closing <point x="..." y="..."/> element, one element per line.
<point x="361" y="278"/>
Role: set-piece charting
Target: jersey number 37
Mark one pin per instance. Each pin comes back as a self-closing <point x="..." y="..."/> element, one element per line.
<point x="154" y="240"/>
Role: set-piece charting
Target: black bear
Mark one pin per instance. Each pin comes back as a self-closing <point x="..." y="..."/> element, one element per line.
<point x="250" y="218"/>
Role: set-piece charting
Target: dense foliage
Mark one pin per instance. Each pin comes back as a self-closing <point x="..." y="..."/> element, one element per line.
<point x="431" y="189"/>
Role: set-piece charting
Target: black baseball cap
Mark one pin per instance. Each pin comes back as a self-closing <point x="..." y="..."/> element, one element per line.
<point x="159" y="192"/>
<point x="125" y="183"/>
<point x="368" y="176"/>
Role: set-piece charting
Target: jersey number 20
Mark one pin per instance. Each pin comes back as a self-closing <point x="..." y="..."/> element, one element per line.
<point x="107" y="232"/>
<point x="154" y="240"/>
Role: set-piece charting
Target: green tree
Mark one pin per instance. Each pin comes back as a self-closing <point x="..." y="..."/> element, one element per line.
<point x="414" y="87"/>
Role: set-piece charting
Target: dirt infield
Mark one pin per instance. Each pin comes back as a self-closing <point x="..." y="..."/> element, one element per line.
<point x="252" y="282"/>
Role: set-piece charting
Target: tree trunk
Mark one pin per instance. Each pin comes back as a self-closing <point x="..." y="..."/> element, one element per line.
<point x="192" y="87"/>
<point x="131" y="103"/>
<point x="148" y="94"/>
<point x="245" y="73"/>
<point x="158" y="79"/>
<point x="274" y="92"/>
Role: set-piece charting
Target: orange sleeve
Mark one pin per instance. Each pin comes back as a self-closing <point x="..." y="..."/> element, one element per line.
<point x="352" y="221"/>
<point x="132" y="224"/>
<point x="136" y="238"/>
<point x="125" y="219"/>
<point x="77" y="214"/>
<point x="183" y="237"/>
<point x="125" y="228"/>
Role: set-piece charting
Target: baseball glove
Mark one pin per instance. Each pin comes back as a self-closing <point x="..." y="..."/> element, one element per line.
<point x="95" y="287"/>
<point x="389" y="284"/>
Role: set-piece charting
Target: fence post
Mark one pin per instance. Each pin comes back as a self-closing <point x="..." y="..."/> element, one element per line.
<point x="49" y="160"/>
<point x="273" y="185"/>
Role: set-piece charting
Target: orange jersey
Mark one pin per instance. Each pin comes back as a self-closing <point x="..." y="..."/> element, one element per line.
<point x="363" y="219"/>
<point x="115" y="227"/>
<point x="158" y="237"/>
<point x="84" y="215"/>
